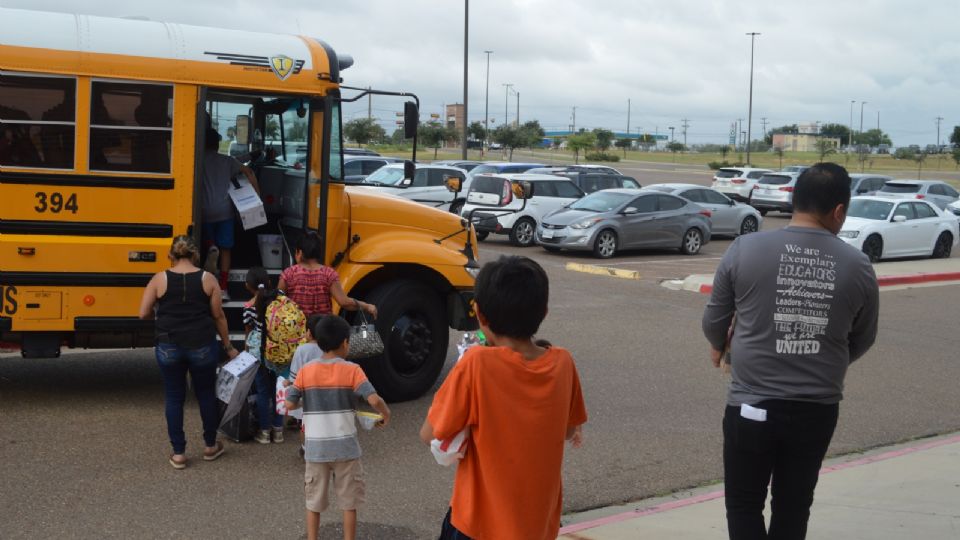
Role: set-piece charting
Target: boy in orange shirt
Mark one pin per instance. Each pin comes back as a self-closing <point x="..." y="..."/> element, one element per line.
<point x="521" y="402"/>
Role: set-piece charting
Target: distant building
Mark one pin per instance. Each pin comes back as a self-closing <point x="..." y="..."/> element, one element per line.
<point x="454" y="117"/>
<point x="801" y="142"/>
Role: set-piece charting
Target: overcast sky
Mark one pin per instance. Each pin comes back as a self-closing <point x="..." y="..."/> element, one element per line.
<point x="673" y="59"/>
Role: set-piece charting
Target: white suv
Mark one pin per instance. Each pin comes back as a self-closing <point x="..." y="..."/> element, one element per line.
<point x="496" y="210"/>
<point x="428" y="186"/>
<point x="737" y="182"/>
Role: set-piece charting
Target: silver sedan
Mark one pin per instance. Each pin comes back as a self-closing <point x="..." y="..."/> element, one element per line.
<point x="613" y="219"/>
<point x="728" y="216"/>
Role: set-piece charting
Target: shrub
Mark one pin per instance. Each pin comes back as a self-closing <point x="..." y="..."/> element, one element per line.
<point x="601" y="156"/>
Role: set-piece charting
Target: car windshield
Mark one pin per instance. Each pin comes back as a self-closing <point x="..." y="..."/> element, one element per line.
<point x="601" y="202"/>
<point x="728" y="173"/>
<point x="891" y="187"/>
<point x="775" y="179"/>
<point x="869" y="209"/>
<point x="480" y="169"/>
<point x="385" y="175"/>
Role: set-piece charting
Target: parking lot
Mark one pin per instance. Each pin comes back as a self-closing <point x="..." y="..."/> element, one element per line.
<point x="83" y="444"/>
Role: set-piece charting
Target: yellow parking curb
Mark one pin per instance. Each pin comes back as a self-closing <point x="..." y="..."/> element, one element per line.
<point x="603" y="271"/>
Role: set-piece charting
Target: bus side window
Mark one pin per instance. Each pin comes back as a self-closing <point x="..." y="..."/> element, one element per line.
<point x="37" y="121"/>
<point x="131" y="127"/>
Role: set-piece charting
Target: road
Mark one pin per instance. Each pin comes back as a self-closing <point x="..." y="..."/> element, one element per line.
<point x="83" y="443"/>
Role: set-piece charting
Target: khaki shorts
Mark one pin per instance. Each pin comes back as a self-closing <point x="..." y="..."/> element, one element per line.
<point x="347" y="481"/>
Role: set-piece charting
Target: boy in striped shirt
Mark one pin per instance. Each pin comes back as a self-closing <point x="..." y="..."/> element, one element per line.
<point x="329" y="389"/>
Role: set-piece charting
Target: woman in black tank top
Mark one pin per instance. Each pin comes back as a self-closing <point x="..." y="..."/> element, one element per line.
<point x="187" y="306"/>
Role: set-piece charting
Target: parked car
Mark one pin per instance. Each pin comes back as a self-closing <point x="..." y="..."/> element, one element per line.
<point x="428" y="185"/>
<point x="774" y="191"/>
<point x="729" y="217"/>
<point x="491" y="192"/>
<point x="611" y="220"/>
<point x="465" y="165"/>
<point x="357" y="168"/>
<point x="867" y="184"/>
<point x="937" y="192"/>
<point x="359" y="152"/>
<point x="884" y="227"/>
<point x="795" y="168"/>
<point x="590" y="181"/>
<point x="500" y="167"/>
<point x="954" y="208"/>
<point x="737" y="182"/>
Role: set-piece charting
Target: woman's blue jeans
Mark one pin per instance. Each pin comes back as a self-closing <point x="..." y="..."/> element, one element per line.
<point x="175" y="362"/>
<point x="266" y="382"/>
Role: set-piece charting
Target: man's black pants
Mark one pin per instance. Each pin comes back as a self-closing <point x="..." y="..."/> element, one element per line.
<point x="789" y="446"/>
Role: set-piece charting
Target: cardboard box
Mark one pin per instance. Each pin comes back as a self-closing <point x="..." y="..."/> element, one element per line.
<point x="248" y="204"/>
<point x="241" y="369"/>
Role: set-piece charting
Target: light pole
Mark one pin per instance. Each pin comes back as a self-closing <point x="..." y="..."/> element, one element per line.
<point x="850" y="136"/>
<point x="862" y="103"/>
<point x="506" y="99"/>
<point x="753" y="36"/>
<point x="486" y="107"/>
<point x="466" y="42"/>
<point x="671" y="133"/>
<point x="518" y="109"/>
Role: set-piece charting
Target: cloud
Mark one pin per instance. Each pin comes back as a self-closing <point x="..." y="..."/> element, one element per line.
<point x="672" y="60"/>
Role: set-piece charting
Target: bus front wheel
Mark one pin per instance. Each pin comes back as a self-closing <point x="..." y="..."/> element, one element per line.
<point x="412" y="323"/>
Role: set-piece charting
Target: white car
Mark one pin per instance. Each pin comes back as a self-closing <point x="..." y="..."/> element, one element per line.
<point x="954" y="208"/>
<point x="428" y="186"/>
<point x="884" y="227"/>
<point x="493" y="208"/>
<point x="737" y="182"/>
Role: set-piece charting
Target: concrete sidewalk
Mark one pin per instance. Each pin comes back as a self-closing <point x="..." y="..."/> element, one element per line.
<point x="910" y="490"/>
<point x="892" y="274"/>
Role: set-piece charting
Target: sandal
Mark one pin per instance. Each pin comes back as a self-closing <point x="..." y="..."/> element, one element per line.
<point x="180" y="463"/>
<point x="213" y="452"/>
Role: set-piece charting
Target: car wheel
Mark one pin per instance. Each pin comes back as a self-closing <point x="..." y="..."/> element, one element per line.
<point x="873" y="247"/>
<point x="749" y="225"/>
<point x="482" y="235"/>
<point x="522" y="232"/>
<point x="412" y="321"/>
<point x="943" y="247"/>
<point x="763" y="212"/>
<point x="456" y="207"/>
<point x="605" y="246"/>
<point x="692" y="242"/>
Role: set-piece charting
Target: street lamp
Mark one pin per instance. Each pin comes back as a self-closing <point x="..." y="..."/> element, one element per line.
<point x="486" y="107"/>
<point x="753" y="36"/>
<point x="862" y="103"/>
<point x="850" y="135"/>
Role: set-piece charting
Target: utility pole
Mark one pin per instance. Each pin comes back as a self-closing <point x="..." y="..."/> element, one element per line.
<point x="486" y="108"/>
<point x="574" y="128"/>
<point x="628" y="118"/>
<point x="369" y="104"/>
<point x="850" y="137"/>
<point x="939" y="119"/>
<point x="671" y="133"/>
<point x="753" y="36"/>
<point x="862" y="103"/>
<point x="518" y="109"/>
<point x="686" y="124"/>
<point x="506" y="103"/>
<point x="739" y="132"/>
<point x="466" y="42"/>
<point x="763" y="122"/>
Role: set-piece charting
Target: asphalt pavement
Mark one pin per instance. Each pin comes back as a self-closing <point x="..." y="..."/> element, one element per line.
<point x="83" y="443"/>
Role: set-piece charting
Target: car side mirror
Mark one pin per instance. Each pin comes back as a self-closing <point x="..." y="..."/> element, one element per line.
<point x="899" y="219"/>
<point x="522" y="189"/>
<point x="406" y="182"/>
<point x="630" y="210"/>
<point x="409" y="170"/>
<point x="731" y="202"/>
<point x="454" y="183"/>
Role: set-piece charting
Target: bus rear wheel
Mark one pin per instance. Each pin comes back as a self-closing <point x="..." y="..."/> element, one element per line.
<point x="412" y="323"/>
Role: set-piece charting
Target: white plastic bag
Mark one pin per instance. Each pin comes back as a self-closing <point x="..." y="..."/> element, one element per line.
<point x="281" y="397"/>
<point x="449" y="451"/>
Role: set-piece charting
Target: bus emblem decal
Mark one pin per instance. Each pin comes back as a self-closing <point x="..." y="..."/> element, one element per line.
<point x="282" y="66"/>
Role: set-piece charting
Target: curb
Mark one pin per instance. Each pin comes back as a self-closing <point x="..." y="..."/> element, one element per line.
<point x="603" y="271"/>
<point x="882" y="281"/>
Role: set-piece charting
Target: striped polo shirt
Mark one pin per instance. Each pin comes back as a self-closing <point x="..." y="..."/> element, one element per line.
<point x="330" y="390"/>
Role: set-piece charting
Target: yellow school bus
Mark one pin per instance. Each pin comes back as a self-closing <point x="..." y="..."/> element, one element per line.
<point x="102" y="128"/>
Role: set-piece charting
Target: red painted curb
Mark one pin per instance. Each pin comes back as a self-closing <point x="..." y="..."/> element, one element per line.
<point x="889" y="281"/>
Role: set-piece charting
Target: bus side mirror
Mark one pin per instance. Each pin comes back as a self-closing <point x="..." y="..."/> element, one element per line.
<point x="411" y="119"/>
<point x="409" y="170"/>
<point x="454" y="183"/>
<point x="522" y="189"/>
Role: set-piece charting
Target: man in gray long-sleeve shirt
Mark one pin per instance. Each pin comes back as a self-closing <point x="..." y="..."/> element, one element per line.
<point x="806" y="306"/>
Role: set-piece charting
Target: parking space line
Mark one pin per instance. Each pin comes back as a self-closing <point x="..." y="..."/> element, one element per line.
<point x="663" y="261"/>
<point x="603" y="271"/>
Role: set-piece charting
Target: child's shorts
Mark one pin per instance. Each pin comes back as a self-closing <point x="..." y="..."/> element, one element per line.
<point x="347" y="481"/>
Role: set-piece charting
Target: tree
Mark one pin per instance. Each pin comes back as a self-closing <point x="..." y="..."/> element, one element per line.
<point x="825" y="147"/>
<point x="273" y="128"/>
<point x="476" y="131"/>
<point x="676" y="146"/>
<point x="724" y="150"/>
<point x="955" y="136"/>
<point x="768" y="136"/>
<point x="623" y="143"/>
<point x="363" y="130"/>
<point x="509" y="136"/>
<point x="838" y="131"/>
<point x="778" y="151"/>
<point x="432" y="135"/>
<point x="872" y="137"/>
<point x="581" y="142"/>
<point x="298" y="131"/>
<point x="398" y="136"/>
<point x="604" y="138"/>
<point x="956" y="156"/>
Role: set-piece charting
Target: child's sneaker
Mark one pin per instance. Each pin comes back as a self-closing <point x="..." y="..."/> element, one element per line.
<point x="278" y="435"/>
<point x="263" y="436"/>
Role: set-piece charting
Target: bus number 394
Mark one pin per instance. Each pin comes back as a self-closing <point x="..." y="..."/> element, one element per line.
<point x="56" y="202"/>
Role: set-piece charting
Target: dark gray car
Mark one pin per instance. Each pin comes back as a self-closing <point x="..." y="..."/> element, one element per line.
<point x="608" y="221"/>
